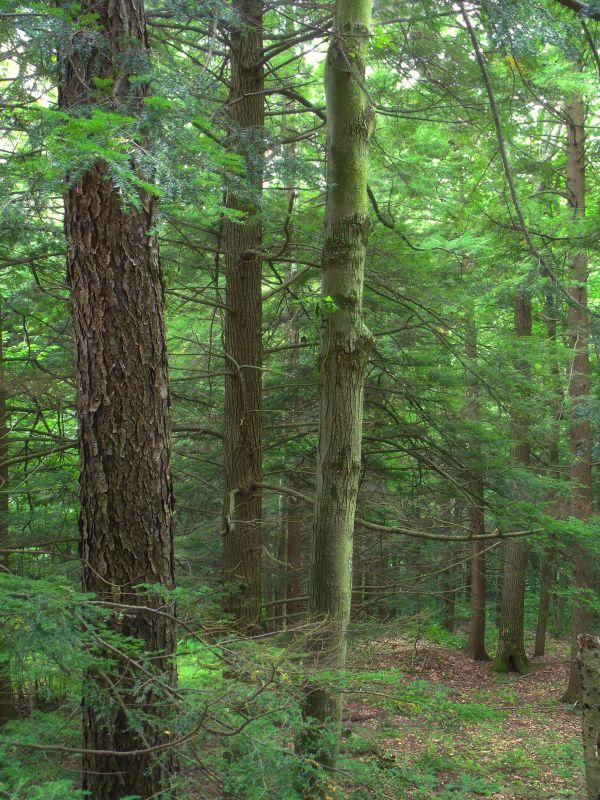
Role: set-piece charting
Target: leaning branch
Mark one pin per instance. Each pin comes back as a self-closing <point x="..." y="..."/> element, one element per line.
<point x="374" y="526"/>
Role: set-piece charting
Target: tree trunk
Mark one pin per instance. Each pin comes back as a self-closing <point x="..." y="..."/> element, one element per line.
<point x="588" y="662"/>
<point x="548" y="575"/>
<point x="242" y="457"/>
<point x="126" y="536"/>
<point x="476" y="639"/>
<point x="510" y="654"/>
<point x="293" y="608"/>
<point x="546" y="584"/>
<point x="343" y="354"/>
<point x="6" y="693"/>
<point x="579" y="381"/>
<point x="448" y="576"/>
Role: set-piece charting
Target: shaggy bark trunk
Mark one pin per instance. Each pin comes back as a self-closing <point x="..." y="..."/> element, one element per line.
<point x="343" y="354"/>
<point x="126" y="536"/>
<point x="6" y="693"/>
<point x="589" y="677"/>
<point x="478" y="585"/>
<point x="510" y="654"/>
<point x="579" y="382"/>
<point x="242" y="456"/>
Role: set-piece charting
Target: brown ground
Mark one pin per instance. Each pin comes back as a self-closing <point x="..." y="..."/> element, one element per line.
<point x="516" y="749"/>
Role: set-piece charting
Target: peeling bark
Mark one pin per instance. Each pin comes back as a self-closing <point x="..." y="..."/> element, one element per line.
<point x="343" y="353"/>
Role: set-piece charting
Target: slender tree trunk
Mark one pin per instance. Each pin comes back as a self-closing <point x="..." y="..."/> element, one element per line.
<point x="115" y="283"/>
<point x="343" y="355"/>
<point x="294" y="560"/>
<point x="579" y="382"/>
<point x="478" y="584"/>
<point x="548" y="575"/>
<point x="448" y="577"/>
<point x="6" y="692"/>
<point x="588" y="663"/>
<point x="510" y="654"/>
<point x="546" y="584"/>
<point x="242" y="457"/>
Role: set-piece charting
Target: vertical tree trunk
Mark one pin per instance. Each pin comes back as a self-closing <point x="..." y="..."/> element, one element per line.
<point x="6" y="692"/>
<point x="126" y="536"/>
<point x="579" y="380"/>
<point x="344" y="348"/>
<point x="478" y="585"/>
<point x="448" y="576"/>
<point x="546" y="583"/>
<point x="510" y="654"/>
<point x="588" y="662"/>
<point x="548" y="575"/>
<point x="294" y="560"/>
<point x="242" y="457"/>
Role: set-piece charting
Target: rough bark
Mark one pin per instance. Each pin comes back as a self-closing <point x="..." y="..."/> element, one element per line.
<point x="580" y="472"/>
<point x="510" y="653"/>
<point x="588" y="662"/>
<point x="242" y="457"/>
<point x="478" y="584"/>
<point x="126" y="536"/>
<point x="343" y="354"/>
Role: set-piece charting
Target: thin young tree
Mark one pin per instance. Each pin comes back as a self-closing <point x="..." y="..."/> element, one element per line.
<point x="116" y="292"/>
<point x="580" y="471"/>
<point x="344" y="348"/>
<point x="6" y="692"/>
<point x="510" y="653"/>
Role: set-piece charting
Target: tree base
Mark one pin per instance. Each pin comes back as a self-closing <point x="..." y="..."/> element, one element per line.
<point x="511" y="663"/>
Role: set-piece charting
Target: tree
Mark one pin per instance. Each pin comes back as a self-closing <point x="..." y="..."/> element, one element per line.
<point x="344" y="346"/>
<point x="6" y="691"/>
<point x="579" y="381"/>
<point x="125" y="522"/>
<point x="510" y="653"/>
<point x="242" y="455"/>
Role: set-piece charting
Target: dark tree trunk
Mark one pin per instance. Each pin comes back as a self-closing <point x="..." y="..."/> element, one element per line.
<point x="588" y="663"/>
<point x="510" y="654"/>
<point x="242" y="464"/>
<point x="579" y="382"/>
<point x="115" y="283"/>
<point x="6" y="691"/>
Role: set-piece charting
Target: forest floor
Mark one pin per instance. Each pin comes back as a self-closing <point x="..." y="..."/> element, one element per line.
<point x="442" y="726"/>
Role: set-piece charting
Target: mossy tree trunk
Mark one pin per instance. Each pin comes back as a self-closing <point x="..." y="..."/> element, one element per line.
<point x="123" y="410"/>
<point x="343" y="353"/>
<point x="242" y="456"/>
<point x="588" y="662"/>
<point x="510" y="653"/>
<point x="579" y="381"/>
<point x="6" y="692"/>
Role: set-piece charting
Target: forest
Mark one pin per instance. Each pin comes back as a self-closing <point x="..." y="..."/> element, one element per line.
<point x="299" y="357"/>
